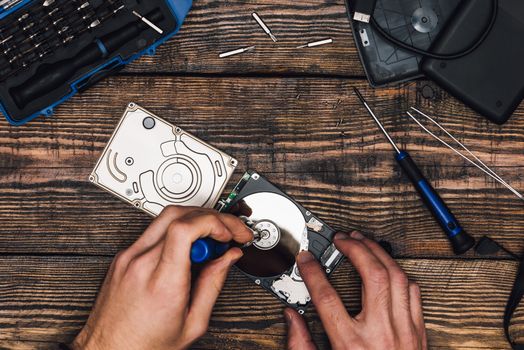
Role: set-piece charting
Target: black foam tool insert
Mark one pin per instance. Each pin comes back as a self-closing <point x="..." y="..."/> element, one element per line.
<point x="39" y="84"/>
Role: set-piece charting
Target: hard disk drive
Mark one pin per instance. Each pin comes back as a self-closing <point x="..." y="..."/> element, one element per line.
<point x="150" y="164"/>
<point x="286" y="228"/>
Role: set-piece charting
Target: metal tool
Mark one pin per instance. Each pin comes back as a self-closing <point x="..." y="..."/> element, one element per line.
<point x="49" y="76"/>
<point x="67" y="13"/>
<point x="459" y="239"/>
<point x="236" y="52"/>
<point x="264" y="26"/>
<point x="7" y="4"/>
<point x="52" y="41"/>
<point x="149" y="23"/>
<point x="43" y="31"/>
<point x="49" y="44"/>
<point x="316" y="43"/>
<point x="206" y="249"/>
<point x="476" y="161"/>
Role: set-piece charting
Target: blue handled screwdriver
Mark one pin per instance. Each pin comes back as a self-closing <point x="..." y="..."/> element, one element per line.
<point x="206" y="249"/>
<point x="460" y="240"/>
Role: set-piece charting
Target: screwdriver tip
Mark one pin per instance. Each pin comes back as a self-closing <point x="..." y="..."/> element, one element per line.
<point x="359" y="95"/>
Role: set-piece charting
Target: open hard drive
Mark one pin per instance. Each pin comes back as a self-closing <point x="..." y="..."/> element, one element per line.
<point x="286" y="229"/>
<point x="150" y="164"/>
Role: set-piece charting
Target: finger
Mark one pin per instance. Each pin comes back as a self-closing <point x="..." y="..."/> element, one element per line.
<point x="240" y="232"/>
<point x="158" y="228"/>
<point x="375" y="277"/>
<point x="206" y="291"/>
<point x="417" y="315"/>
<point x="174" y="264"/>
<point x="336" y="320"/>
<point x="399" y="285"/>
<point x="298" y="336"/>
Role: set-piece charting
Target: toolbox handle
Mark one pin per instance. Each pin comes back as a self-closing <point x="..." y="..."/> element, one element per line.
<point x="112" y="68"/>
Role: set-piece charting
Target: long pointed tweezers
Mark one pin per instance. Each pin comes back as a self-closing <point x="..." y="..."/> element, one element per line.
<point x="481" y="165"/>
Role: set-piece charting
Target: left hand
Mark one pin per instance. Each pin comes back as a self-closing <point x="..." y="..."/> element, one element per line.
<point x="147" y="300"/>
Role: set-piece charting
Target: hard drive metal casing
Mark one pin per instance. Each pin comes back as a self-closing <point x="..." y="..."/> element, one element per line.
<point x="288" y="286"/>
<point x="151" y="163"/>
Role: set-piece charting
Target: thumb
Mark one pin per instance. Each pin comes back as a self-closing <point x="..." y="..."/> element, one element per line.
<point x="298" y="335"/>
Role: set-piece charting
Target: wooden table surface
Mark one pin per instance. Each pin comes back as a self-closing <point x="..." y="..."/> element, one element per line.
<point x="291" y="115"/>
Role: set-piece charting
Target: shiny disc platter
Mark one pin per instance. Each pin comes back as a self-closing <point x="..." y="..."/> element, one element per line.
<point x="282" y="227"/>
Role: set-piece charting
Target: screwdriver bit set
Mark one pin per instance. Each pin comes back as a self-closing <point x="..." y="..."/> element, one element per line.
<point x="52" y="49"/>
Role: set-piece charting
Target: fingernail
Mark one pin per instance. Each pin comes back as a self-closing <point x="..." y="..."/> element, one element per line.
<point x="288" y="317"/>
<point x="357" y="235"/>
<point x="239" y="254"/>
<point x="342" y="236"/>
<point x="305" y="257"/>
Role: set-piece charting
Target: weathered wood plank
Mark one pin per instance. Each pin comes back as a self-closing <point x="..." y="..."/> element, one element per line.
<point x="268" y="123"/>
<point x="308" y="135"/>
<point x="56" y="211"/>
<point x="344" y="171"/>
<point x="213" y="27"/>
<point x="46" y="300"/>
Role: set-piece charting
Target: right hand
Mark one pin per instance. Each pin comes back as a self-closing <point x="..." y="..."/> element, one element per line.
<point x="150" y="299"/>
<point x="391" y="316"/>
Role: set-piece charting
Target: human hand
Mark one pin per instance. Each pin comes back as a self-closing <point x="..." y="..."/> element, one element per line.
<point x="148" y="300"/>
<point x="391" y="316"/>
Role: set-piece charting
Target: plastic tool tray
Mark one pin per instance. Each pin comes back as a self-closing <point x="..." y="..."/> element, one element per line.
<point x="52" y="49"/>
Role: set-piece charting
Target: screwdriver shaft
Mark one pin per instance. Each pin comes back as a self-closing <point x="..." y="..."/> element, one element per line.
<point x="264" y="26"/>
<point x="460" y="240"/>
<point x="376" y="120"/>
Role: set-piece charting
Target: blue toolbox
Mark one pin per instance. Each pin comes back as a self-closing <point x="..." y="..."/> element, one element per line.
<point x="52" y="49"/>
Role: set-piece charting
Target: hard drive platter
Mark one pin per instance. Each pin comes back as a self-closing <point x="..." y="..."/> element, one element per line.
<point x="285" y="228"/>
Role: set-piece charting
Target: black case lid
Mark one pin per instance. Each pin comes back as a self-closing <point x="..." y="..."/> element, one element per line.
<point x="491" y="79"/>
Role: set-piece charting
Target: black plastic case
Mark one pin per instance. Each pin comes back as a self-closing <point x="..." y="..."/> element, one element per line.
<point x="491" y="79"/>
<point x="52" y="50"/>
<point x="385" y="63"/>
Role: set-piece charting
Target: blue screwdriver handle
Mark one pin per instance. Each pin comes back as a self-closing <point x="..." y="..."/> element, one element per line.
<point x="206" y="249"/>
<point x="460" y="240"/>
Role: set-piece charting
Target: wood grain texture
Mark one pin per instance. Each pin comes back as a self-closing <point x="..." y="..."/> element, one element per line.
<point x="290" y="115"/>
<point x="214" y="26"/>
<point x="47" y="299"/>
<point x="309" y="136"/>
